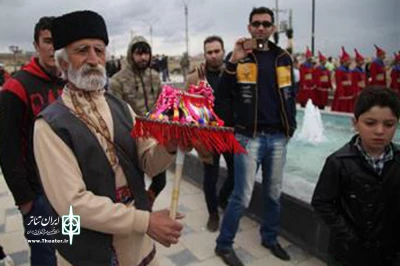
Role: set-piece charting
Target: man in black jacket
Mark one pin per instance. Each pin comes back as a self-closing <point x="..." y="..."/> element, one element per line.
<point x="23" y="96"/>
<point x="357" y="194"/>
<point x="210" y="72"/>
<point x="258" y="86"/>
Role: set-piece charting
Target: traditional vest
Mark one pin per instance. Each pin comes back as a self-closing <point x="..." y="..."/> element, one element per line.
<point x="92" y="248"/>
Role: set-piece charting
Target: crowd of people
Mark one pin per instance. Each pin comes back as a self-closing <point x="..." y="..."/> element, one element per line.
<point x="160" y="64"/>
<point x="345" y="81"/>
<point x="65" y="143"/>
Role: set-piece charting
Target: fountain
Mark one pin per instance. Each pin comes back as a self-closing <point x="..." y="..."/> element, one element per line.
<point x="312" y="130"/>
<point x="320" y="133"/>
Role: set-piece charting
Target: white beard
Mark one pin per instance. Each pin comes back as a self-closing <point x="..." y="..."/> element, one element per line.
<point x="88" y="78"/>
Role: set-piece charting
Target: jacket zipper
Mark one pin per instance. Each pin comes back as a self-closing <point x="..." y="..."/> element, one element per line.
<point x="286" y="121"/>
<point x="256" y="105"/>
<point x="146" y="101"/>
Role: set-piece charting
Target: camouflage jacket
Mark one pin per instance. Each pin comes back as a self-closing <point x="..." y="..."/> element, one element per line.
<point x="139" y="88"/>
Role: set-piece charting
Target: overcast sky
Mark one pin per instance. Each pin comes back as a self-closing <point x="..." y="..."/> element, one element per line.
<point x="352" y="23"/>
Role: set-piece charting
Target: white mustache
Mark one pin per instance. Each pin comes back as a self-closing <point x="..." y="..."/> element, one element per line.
<point x="89" y="78"/>
<point x="87" y="69"/>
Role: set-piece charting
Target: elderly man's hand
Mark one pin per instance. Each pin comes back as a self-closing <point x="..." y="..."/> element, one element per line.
<point x="164" y="229"/>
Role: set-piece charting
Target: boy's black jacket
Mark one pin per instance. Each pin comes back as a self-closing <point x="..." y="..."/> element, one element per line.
<point x="361" y="208"/>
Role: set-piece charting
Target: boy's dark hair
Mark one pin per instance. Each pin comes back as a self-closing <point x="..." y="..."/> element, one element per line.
<point x="44" y="23"/>
<point x="375" y="96"/>
<point x="213" y="38"/>
<point x="141" y="48"/>
<point x="262" y="10"/>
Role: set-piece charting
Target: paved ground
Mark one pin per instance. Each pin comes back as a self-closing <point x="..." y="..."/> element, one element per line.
<point x="196" y="247"/>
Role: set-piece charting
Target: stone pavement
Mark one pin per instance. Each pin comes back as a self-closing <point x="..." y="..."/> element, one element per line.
<point x="196" y="247"/>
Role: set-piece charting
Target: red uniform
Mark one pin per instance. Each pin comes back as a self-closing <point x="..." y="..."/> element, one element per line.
<point x="307" y="84"/>
<point x="358" y="75"/>
<point x="395" y="78"/>
<point x="344" y="96"/>
<point x="358" y="80"/>
<point x="323" y="85"/>
<point x="378" y="73"/>
<point x="395" y="74"/>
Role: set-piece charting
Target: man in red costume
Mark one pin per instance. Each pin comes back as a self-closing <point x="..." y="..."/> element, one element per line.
<point x="395" y="74"/>
<point x="358" y="75"/>
<point x="377" y="69"/>
<point x="343" y="99"/>
<point x="322" y="77"/>
<point x="307" y="84"/>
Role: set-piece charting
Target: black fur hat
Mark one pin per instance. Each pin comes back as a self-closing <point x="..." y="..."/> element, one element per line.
<point x="78" y="25"/>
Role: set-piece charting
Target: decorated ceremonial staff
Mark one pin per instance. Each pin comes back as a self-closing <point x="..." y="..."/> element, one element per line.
<point x="187" y="118"/>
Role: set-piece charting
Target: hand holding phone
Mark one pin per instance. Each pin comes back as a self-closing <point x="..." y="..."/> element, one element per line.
<point x="253" y="44"/>
<point x="243" y="47"/>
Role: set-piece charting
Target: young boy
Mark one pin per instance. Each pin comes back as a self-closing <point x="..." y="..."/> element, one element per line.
<point x="358" y="191"/>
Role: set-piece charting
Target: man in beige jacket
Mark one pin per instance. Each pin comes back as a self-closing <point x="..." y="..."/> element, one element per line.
<point x="88" y="161"/>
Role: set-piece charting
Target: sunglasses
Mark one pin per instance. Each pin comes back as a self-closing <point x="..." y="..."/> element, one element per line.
<point x="265" y="24"/>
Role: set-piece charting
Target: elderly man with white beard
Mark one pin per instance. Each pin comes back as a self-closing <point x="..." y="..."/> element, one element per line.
<point x="89" y="163"/>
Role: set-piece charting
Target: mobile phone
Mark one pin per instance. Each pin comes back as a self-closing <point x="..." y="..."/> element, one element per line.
<point x="253" y="44"/>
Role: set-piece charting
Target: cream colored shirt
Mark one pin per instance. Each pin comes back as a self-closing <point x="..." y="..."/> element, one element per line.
<point x="63" y="184"/>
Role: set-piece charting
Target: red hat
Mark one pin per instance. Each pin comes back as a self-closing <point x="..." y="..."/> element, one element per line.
<point x="321" y="56"/>
<point x="359" y="57"/>
<point x="379" y="51"/>
<point x="308" y="53"/>
<point x="345" y="56"/>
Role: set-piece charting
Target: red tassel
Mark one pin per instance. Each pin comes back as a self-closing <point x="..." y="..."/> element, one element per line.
<point x="213" y="139"/>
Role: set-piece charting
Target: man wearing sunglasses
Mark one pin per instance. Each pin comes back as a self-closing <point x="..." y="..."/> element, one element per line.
<point x="258" y="86"/>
